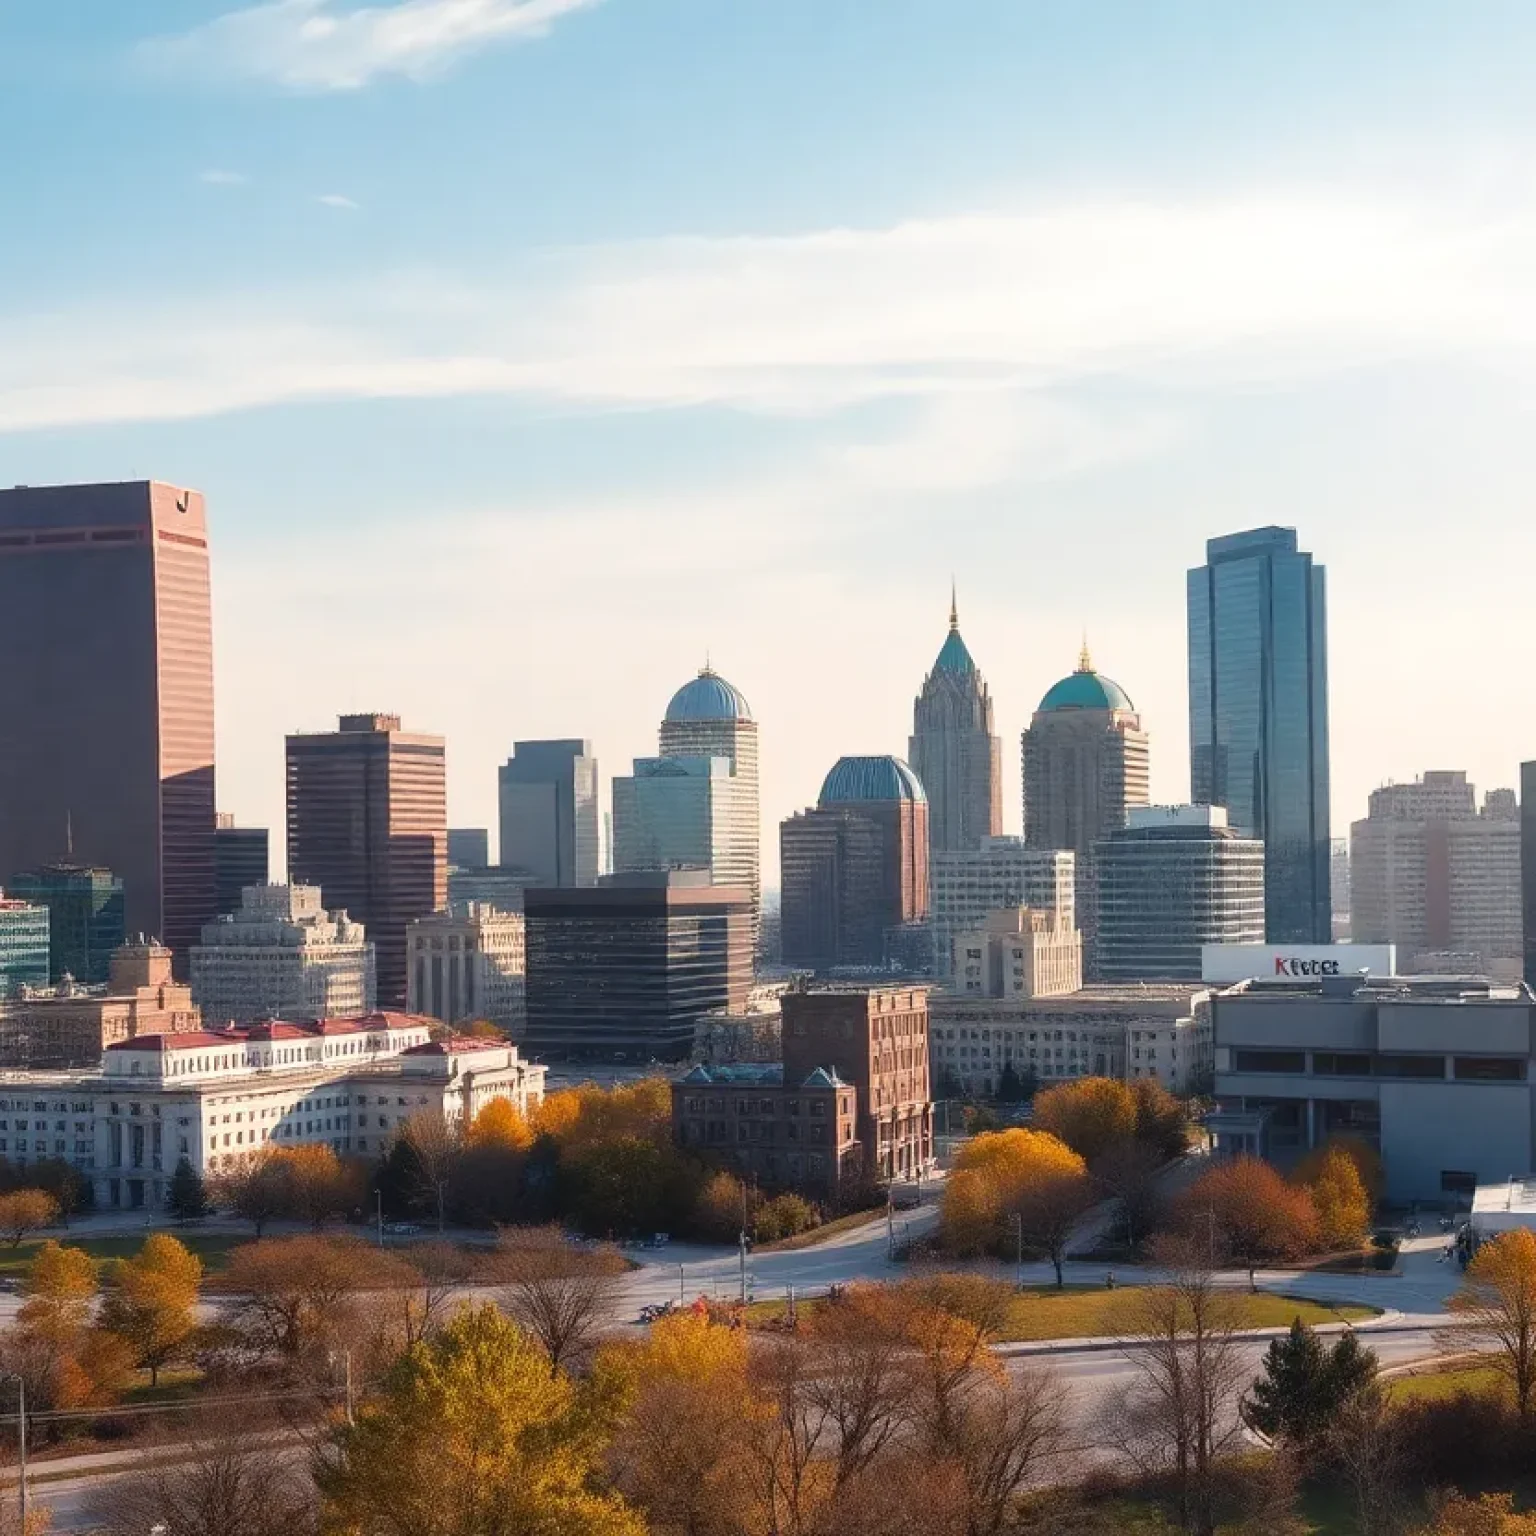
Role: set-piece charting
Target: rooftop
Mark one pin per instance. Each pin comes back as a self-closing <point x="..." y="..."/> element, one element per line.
<point x="861" y="779"/>
<point x="707" y="697"/>
<point x="1085" y="689"/>
<point x="273" y="1029"/>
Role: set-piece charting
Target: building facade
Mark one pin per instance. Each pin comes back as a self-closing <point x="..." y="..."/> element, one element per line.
<point x="468" y="964"/>
<point x="469" y="847"/>
<point x="1258" y="716"/>
<point x="1528" y="868"/>
<point x="108" y="705"/>
<point x="490" y="887"/>
<point x="686" y="813"/>
<point x="23" y="945"/>
<point x="965" y="885"/>
<point x="1439" y="877"/>
<point x="1019" y="952"/>
<point x="85" y="917"/>
<point x="1436" y="1074"/>
<point x="955" y="751"/>
<point x="283" y="956"/>
<point x="548" y="797"/>
<point x="855" y="868"/>
<point x="70" y="1024"/>
<point x="708" y="718"/>
<point x="622" y="971"/>
<point x="1174" y="879"/>
<point x="1087" y="762"/>
<point x="219" y="1098"/>
<point x="368" y="824"/>
<point x="240" y="859"/>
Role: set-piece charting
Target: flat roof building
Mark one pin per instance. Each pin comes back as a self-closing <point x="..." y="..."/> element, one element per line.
<point x="23" y="945"/>
<point x="547" y="793"/>
<point x="240" y="859"/>
<point x="469" y="964"/>
<point x="85" y="917"/>
<point x="967" y="884"/>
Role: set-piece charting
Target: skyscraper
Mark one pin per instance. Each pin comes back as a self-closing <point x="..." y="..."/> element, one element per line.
<point x="854" y="868"/>
<point x="1086" y="764"/>
<point x="240" y="859"/>
<point x="709" y="718"/>
<point x="1528" y="867"/>
<point x="954" y="748"/>
<point x="368" y="824"/>
<point x="686" y="813"/>
<point x="966" y="885"/>
<point x="1258" y="715"/>
<point x="107" y="694"/>
<point x="85" y="917"/>
<point x="549" y="812"/>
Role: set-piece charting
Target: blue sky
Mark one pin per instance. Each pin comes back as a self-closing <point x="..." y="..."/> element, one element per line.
<point x="528" y="349"/>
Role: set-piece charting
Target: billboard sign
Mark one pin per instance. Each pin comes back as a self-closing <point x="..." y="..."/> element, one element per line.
<point x="1228" y="963"/>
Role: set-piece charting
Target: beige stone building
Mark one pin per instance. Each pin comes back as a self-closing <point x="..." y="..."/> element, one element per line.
<point x="1020" y="953"/>
<point x="469" y="963"/>
<point x="966" y="884"/>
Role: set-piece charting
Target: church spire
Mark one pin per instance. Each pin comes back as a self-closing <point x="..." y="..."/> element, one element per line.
<point x="1084" y="660"/>
<point x="954" y="608"/>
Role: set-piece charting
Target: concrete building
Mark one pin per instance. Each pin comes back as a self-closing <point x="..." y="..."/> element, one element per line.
<point x="966" y="884"/>
<point x="368" y="824"/>
<point x="1174" y="879"/>
<point x="751" y="1033"/>
<point x="1340" y="889"/>
<point x="23" y="945"/>
<point x="548" y="798"/>
<point x="85" y="917"/>
<point x="686" y="813"/>
<point x="70" y="1025"/>
<point x="1086" y="764"/>
<point x="218" y="1098"/>
<point x="283" y="956"/>
<point x="469" y="847"/>
<point x="708" y="718"/>
<point x="1439" y="877"/>
<point x="1020" y="952"/>
<point x="240" y="859"/>
<point x="622" y="972"/>
<point x="1528" y="868"/>
<point x="1433" y="1072"/>
<point x="491" y="887"/>
<point x="107" y="694"/>
<point x="468" y="964"/>
<point x="954" y="748"/>
<point x="1160" y="1030"/>
<point x="1258" y="716"/>
<point x="855" y="868"/>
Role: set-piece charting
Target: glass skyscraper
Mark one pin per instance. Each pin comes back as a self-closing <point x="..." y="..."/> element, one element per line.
<point x="1258" y="715"/>
<point x="85" y="917"/>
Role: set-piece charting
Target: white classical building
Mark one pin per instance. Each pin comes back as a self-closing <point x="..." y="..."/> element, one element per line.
<point x="216" y="1097"/>
<point x="282" y="956"/>
<point x="466" y="964"/>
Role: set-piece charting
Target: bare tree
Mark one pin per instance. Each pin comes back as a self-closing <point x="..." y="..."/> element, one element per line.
<point x="561" y="1292"/>
<point x="1010" y="1429"/>
<point x="436" y="1145"/>
<point x="1367" y="1444"/>
<point x="1180" y="1415"/>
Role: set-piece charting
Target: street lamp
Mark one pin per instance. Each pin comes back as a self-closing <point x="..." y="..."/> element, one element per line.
<point x="1018" y="1274"/>
<point x="21" y="1440"/>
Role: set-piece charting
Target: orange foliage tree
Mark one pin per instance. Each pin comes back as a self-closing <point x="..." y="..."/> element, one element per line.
<point x="1247" y="1213"/>
<point x="1089" y="1115"/>
<point x="1343" y="1207"/>
<point x="1496" y="1306"/>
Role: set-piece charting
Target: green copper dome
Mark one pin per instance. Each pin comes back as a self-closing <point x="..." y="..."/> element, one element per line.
<point x="1086" y="689"/>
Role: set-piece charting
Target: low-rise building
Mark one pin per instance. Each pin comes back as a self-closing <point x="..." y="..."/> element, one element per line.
<point x="23" y="945"/>
<point x="1019" y="952"/>
<point x="85" y="917"/>
<point x="754" y="1033"/>
<point x="282" y="956"/>
<point x="469" y="963"/>
<point x="218" y="1097"/>
<point x="969" y="883"/>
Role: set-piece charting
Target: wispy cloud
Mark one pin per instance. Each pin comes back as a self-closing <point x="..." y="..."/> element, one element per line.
<point x="1212" y="296"/>
<point x="336" y="200"/>
<point x="320" y="45"/>
<point x="222" y="178"/>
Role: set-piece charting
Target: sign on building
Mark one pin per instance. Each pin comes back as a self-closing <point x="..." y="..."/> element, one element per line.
<point x="1229" y="963"/>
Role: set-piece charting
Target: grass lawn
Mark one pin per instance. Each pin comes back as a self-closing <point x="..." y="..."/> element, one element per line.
<point x="823" y="1232"/>
<point x="1433" y="1386"/>
<point x="211" y="1247"/>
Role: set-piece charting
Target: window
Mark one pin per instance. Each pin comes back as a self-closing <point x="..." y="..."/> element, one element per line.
<point x="1342" y="1063"/>
<point x="1410" y="1066"/>
<point x="1491" y="1069"/>
<point x="1269" y="1061"/>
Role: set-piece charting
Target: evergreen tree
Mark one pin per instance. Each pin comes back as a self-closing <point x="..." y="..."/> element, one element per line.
<point x="1010" y="1086"/>
<point x="186" y="1199"/>
<point x="1305" y="1385"/>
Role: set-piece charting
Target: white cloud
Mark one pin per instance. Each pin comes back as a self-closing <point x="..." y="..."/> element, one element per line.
<point x="318" y="45"/>
<point x="336" y="200"/>
<point x="222" y="178"/>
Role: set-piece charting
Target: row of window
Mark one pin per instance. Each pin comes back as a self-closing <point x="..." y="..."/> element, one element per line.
<point x="1476" y="1069"/>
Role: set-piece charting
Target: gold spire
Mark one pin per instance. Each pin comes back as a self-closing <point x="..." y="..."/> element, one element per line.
<point x="954" y="607"/>
<point x="1084" y="660"/>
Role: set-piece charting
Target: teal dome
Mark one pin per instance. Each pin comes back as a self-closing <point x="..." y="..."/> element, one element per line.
<point x="870" y="778"/>
<point x="1086" y="689"/>
<point x="707" y="697"/>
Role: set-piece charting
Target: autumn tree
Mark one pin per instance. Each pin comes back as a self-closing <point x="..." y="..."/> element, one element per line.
<point x="1161" y="1123"/>
<point x="720" y="1211"/>
<point x="1366" y="1445"/>
<point x="24" y="1211"/>
<point x="256" y="1189"/>
<point x="317" y="1185"/>
<point x="1128" y="1174"/>
<point x="436" y="1146"/>
<point x="66" y="1360"/>
<point x="1242" y="1210"/>
<point x="560" y="1293"/>
<point x="471" y="1432"/>
<point x="288" y="1298"/>
<point x="1338" y="1196"/>
<point x="499" y="1127"/>
<point x="153" y="1301"/>
<point x="1489" y="1514"/>
<point x="1090" y="1114"/>
<point x="1361" y="1153"/>
<point x="1496" y="1308"/>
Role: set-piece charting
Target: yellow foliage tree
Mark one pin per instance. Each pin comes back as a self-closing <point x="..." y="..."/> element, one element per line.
<point x="24" y="1211"/>
<point x="67" y="1362"/>
<point x="1361" y="1153"/>
<point x="1339" y="1196"/>
<point x="60" y="1294"/>
<point x="581" y="1117"/>
<point x="1497" y="1307"/>
<point x="153" y="1302"/>
<point x="1089" y="1115"/>
<point x="1491" y="1515"/>
<point x="970" y="1215"/>
<point x="471" y="1432"/>
<point x="499" y="1127"/>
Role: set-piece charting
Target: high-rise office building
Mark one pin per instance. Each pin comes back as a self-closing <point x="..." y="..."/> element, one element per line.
<point x="368" y="824"/>
<point x="1258" y="715"/>
<point x="1086" y="763"/>
<point x="966" y="885"/>
<point x="1175" y="878"/>
<point x="107" y="694"/>
<point x="854" y="869"/>
<point x="85" y="917"/>
<point x="549" y="812"/>
<point x="469" y="964"/>
<point x="1439" y="877"/>
<point x="23" y="945"/>
<point x="240" y="859"/>
<point x="469" y="847"/>
<point x="283" y="956"/>
<point x="686" y="813"/>
<point x="1528" y="868"/>
<point x="954" y="748"/>
<point x="624" y="970"/>
<point x="709" y="718"/>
